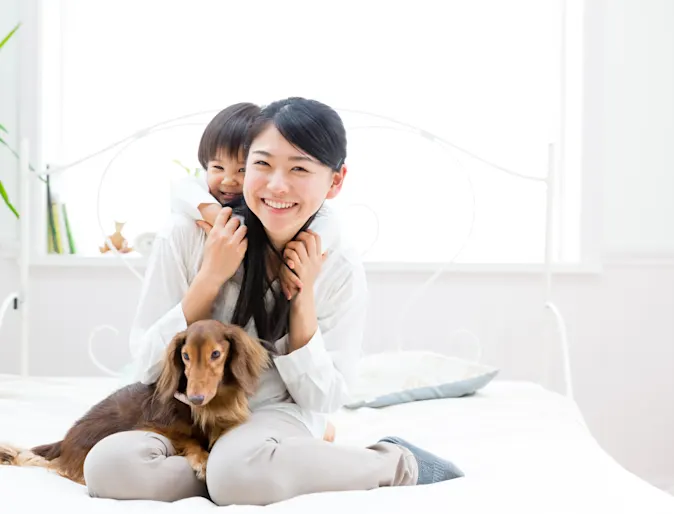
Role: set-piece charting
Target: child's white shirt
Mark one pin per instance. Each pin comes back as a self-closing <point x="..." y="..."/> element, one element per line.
<point x="308" y="383"/>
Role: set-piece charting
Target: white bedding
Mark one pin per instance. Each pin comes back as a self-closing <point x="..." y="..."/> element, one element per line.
<point x="523" y="450"/>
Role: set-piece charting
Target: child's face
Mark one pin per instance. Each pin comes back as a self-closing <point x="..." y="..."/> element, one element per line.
<point x="225" y="177"/>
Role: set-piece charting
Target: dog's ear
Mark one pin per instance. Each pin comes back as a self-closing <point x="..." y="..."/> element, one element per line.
<point x="248" y="360"/>
<point x="172" y="377"/>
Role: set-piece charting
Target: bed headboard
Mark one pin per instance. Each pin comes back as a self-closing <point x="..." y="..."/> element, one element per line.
<point x="21" y="300"/>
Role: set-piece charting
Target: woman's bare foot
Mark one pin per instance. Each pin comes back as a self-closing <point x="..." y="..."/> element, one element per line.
<point x="329" y="433"/>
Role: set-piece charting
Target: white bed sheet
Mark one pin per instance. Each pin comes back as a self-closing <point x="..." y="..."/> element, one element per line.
<point x="523" y="449"/>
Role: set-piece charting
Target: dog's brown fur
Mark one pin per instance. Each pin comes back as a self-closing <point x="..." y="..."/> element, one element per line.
<point x="219" y="362"/>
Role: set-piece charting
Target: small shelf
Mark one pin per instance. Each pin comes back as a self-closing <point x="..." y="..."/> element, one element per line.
<point x="93" y="261"/>
<point x="139" y="261"/>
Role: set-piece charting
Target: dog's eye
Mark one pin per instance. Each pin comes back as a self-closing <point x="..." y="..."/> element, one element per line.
<point x="186" y="356"/>
<point x="215" y="355"/>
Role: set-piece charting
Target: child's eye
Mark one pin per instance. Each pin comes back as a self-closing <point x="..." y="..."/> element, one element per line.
<point x="219" y="168"/>
<point x="242" y="170"/>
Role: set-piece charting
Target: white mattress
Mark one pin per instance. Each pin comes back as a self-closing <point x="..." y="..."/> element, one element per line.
<point x="523" y="450"/>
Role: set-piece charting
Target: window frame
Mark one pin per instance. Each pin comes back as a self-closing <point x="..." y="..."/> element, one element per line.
<point x="582" y="185"/>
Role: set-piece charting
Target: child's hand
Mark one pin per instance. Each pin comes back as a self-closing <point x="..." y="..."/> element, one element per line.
<point x="209" y="211"/>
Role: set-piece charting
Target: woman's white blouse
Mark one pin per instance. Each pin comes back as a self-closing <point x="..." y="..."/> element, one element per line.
<point x="307" y="383"/>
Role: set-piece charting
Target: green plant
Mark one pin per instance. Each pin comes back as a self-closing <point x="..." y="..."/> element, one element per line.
<point x="3" y="191"/>
<point x="196" y="171"/>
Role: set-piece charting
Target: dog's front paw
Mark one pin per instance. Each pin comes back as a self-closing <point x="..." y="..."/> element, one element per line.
<point x="200" y="470"/>
<point x="198" y="464"/>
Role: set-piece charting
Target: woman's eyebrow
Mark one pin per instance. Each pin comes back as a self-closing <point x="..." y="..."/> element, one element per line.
<point x="301" y="158"/>
<point x="291" y="158"/>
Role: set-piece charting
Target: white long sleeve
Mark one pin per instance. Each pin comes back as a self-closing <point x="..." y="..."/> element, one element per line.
<point x="318" y="375"/>
<point x="159" y="316"/>
<point x="188" y="193"/>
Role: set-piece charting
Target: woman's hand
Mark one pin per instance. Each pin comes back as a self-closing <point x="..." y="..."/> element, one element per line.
<point x="290" y="283"/>
<point x="225" y="246"/>
<point x="305" y="258"/>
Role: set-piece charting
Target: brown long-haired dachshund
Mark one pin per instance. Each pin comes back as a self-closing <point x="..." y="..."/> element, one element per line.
<point x="216" y="366"/>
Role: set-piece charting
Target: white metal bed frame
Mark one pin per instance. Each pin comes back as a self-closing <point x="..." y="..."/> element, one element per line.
<point x="21" y="300"/>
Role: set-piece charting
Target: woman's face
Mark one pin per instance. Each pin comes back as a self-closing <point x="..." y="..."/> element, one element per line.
<point x="284" y="187"/>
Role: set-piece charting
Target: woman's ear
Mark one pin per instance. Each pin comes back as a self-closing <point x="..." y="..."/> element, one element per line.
<point x="337" y="182"/>
<point x="248" y="362"/>
<point x="172" y="378"/>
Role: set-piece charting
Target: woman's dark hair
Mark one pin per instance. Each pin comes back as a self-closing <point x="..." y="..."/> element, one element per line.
<point x="317" y="130"/>
<point x="227" y="131"/>
<point x="308" y="125"/>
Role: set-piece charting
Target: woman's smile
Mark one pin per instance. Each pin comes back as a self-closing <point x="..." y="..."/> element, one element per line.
<point x="278" y="206"/>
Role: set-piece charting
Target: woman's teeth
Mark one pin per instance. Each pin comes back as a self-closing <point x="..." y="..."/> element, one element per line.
<point x="278" y="205"/>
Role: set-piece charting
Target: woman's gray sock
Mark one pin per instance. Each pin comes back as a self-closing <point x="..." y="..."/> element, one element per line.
<point x="432" y="469"/>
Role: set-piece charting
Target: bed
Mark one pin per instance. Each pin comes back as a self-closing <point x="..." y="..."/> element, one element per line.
<point x="523" y="448"/>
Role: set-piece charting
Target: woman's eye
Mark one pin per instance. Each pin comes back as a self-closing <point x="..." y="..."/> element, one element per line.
<point x="215" y="355"/>
<point x="186" y="356"/>
<point x="261" y="163"/>
<point x="299" y="168"/>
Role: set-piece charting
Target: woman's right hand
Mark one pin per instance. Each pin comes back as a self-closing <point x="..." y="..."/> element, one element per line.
<point x="225" y="247"/>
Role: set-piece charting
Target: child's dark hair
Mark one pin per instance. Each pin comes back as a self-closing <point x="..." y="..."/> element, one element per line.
<point x="228" y="132"/>
<point x="317" y="130"/>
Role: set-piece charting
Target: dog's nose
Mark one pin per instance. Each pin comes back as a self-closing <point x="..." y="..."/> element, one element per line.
<point x="197" y="399"/>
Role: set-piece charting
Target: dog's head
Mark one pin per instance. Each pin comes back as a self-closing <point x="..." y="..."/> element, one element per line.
<point x="206" y="356"/>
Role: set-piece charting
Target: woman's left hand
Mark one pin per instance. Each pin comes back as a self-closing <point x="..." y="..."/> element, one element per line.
<point x="303" y="255"/>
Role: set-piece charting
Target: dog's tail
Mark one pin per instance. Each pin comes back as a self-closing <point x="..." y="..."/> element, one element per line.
<point x="39" y="456"/>
<point x="48" y="451"/>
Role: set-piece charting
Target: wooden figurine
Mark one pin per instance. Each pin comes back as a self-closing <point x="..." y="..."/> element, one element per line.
<point x="118" y="240"/>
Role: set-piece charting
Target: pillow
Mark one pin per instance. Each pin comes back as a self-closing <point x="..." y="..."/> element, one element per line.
<point x="385" y="379"/>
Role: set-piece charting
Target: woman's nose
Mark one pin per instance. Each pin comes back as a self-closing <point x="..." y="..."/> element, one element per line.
<point x="277" y="182"/>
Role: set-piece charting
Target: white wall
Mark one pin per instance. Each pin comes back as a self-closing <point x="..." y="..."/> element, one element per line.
<point x="631" y="84"/>
<point x="620" y="321"/>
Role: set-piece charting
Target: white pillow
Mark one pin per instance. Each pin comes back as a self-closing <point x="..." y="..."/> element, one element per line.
<point x="385" y="379"/>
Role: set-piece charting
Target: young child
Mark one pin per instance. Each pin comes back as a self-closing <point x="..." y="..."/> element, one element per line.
<point x="221" y="156"/>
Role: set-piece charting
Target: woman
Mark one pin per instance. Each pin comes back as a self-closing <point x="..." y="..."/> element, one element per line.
<point x="295" y="155"/>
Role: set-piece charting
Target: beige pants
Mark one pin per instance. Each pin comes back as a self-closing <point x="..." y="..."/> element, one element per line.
<point x="270" y="458"/>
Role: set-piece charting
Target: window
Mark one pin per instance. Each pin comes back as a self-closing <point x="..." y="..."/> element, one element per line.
<point x="490" y="77"/>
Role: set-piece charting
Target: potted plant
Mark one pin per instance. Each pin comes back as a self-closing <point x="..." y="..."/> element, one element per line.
<point x="3" y="191"/>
